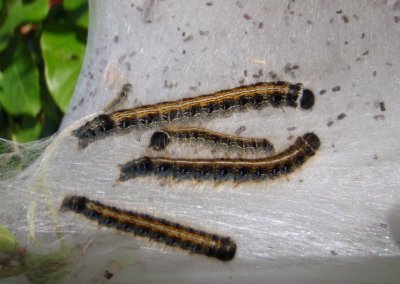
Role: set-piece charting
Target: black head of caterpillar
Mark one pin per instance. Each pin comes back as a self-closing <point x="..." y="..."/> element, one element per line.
<point x="141" y="166"/>
<point x="225" y="169"/>
<point x="157" y="229"/>
<point x="313" y="143"/>
<point x="296" y="93"/>
<point x="94" y="129"/>
<point x="307" y="99"/>
<point x="160" y="139"/>
<point x="74" y="203"/>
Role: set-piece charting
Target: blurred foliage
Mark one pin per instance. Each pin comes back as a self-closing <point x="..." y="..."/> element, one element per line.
<point x="16" y="260"/>
<point x="42" y="45"/>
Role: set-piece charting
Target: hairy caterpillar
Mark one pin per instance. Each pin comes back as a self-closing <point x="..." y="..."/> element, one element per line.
<point x="223" y="169"/>
<point x="119" y="99"/>
<point x="160" y="139"/>
<point x="157" y="229"/>
<point x="276" y="94"/>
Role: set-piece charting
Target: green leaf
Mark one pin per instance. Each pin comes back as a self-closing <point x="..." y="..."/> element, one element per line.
<point x="48" y="268"/>
<point x="77" y="11"/>
<point x="70" y="5"/>
<point x="83" y="19"/>
<point x="28" y="129"/>
<point x="8" y="243"/>
<point x="63" y="55"/>
<point x="10" y="165"/>
<point x="19" y="83"/>
<point x="18" y="12"/>
<point x="52" y="117"/>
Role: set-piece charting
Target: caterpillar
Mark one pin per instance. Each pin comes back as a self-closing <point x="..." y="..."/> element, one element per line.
<point x="276" y="94"/>
<point x="157" y="229"/>
<point x="160" y="139"/>
<point x="225" y="169"/>
<point x="119" y="99"/>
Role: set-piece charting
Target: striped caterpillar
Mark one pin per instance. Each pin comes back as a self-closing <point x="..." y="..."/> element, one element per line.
<point x="160" y="139"/>
<point x="119" y="99"/>
<point x="276" y="94"/>
<point x="157" y="229"/>
<point x="223" y="169"/>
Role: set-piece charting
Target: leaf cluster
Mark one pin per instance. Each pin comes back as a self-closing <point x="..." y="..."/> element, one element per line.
<point x="42" y="45"/>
